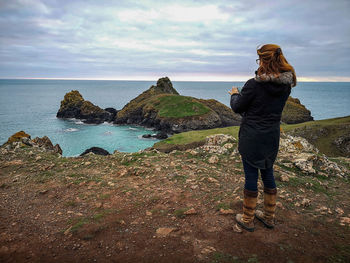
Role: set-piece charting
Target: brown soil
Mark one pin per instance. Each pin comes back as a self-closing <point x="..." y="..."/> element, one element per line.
<point x="108" y="209"/>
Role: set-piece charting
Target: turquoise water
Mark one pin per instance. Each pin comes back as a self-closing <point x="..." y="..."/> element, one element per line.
<point x="31" y="105"/>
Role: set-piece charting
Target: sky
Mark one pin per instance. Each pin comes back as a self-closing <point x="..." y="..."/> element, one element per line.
<point x="181" y="39"/>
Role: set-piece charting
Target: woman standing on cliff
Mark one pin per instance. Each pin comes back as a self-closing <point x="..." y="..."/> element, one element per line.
<point x="260" y="103"/>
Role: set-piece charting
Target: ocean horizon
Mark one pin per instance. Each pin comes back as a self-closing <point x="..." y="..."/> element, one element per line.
<point x="31" y="105"/>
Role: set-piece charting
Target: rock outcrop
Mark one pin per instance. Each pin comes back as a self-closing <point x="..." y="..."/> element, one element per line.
<point x="295" y="112"/>
<point x="162" y="108"/>
<point x="74" y="106"/>
<point x="160" y="136"/>
<point x="297" y="152"/>
<point x="330" y="136"/>
<point x="21" y="139"/>
<point x="95" y="150"/>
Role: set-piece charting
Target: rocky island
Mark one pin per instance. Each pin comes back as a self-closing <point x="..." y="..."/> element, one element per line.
<point x="74" y="106"/>
<point x="161" y="107"/>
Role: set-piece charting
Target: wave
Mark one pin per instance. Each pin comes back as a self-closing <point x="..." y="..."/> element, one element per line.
<point x="108" y="123"/>
<point x="71" y="130"/>
<point x="147" y="139"/>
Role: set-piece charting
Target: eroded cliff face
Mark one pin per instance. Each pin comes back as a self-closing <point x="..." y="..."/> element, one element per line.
<point x="74" y="106"/>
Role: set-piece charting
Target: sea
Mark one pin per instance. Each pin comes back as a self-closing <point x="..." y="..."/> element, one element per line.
<point x="31" y="105"/>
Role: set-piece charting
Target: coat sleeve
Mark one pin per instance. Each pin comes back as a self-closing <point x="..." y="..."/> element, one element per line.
<point x="241" y="102"/>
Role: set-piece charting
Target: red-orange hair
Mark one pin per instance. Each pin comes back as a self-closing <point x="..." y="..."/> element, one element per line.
<point x="272" y="61"/>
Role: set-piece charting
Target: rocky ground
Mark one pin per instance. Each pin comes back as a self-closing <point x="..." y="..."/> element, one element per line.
<point x="177" y="207"/>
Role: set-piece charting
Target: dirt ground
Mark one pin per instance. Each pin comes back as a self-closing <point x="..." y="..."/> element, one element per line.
<point x="156" y="207"/>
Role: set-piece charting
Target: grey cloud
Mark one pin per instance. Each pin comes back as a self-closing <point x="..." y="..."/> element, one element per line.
<point x="40" y="40"/>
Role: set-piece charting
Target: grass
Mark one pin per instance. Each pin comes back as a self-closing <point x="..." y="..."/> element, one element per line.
<point x="176" y="106"/>
<point x="180" y="213"/>
<point x="324" y="143"/>
<point x="75" y="228"/>
<point x="224" y="206"/>
<point x="86" y="220"/>
<point x="219" y="257"/>
<point x="342" y="255"/>
<point x="188" y="138"/>
<point x="71" y="203"/>
<point x="322" y="133"/>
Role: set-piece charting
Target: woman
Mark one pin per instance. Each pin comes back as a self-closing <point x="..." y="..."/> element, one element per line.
<point x="260" y="103"/>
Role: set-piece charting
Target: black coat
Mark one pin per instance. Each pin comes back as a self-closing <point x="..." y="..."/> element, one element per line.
<point x="261" y="103"/>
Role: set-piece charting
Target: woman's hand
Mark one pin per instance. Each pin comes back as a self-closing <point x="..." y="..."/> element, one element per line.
<point x="234" y="90"/>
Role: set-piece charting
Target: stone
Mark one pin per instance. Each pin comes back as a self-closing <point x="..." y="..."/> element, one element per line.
<point x="193" y="152"/>
<point x="161" y="136"/>
<point x="208" y="250"/>
<point x="304" y="164"/>
<point x="191" y="211"/>
<point x="214" y="149"/>
<point x="345" y="220"/>
<point x="213" y="159"/>
<point x="343" y="144"/>
<point x="284" y="178"/>
<point x="219" y="139"/>
<point x="306" y="202"/>
<point x="228" y="146"/>
<point x="226" y="211"/>
<point x="339" y="211"/>
<point x="95" y="150"/>
<point x="212" y="180"/>
<point x="164" y="231"/>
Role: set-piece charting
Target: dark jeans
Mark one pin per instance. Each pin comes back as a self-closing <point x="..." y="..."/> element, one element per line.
<point x="252" y="174"/>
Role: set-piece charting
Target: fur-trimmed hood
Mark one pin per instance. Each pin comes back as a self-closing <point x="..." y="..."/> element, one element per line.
<point x="269" y="82"/>
<point x="283" y="78"/>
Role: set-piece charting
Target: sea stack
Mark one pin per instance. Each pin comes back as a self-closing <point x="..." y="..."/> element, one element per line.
<point x="161" y="107"/>
<point x="74" y="106"/>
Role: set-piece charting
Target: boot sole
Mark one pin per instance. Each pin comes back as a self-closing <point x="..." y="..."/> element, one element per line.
<point x="263" y="221"/>
<point x="250" y="229"/>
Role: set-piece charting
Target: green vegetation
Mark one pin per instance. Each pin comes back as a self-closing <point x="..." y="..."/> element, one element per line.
<point x="294" y="111"/>
<point x="75" y="228"/>
<point x="180" y="213"/>
<point x="195" y="136"/>
<point x="224" y="206"/>
<point x="322" y="133"/>
<point x="326" y="122"/>
<point x="176" y="106"/>
<point x="326" y="132"/>
<point x="219" y="257"/>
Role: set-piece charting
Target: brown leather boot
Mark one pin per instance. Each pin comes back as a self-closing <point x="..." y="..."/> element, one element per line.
<point x="246" y="219"/>
<point x="268" y="216"/>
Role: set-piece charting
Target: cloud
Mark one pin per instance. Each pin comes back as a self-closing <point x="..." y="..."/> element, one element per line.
<point x="101" y="39"/>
